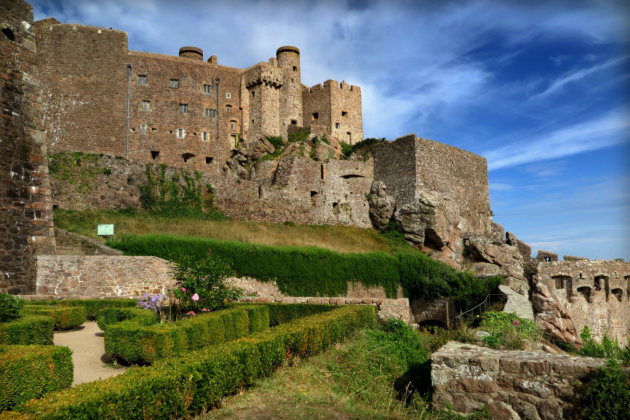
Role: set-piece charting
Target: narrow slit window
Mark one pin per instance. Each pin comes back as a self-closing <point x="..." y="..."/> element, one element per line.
<point x="204" y="136"/>
<point x="173" y="83"/>
<point x="336" y="125"/>
<point x="228" y="95"/>
<point x="181" y="133"/>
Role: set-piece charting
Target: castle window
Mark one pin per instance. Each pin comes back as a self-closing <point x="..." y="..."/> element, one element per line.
<point x="209" y="160"/>
<point x="349" y="137"/>
<point x="8" y="33"/>
<point x="207" y="89"/>
<point x="187" y="156"/>
<point x="253" y="93"/>
<point x="314" y="195"/>
<point x="344" y="113"/>
<point x="204" y="135"/>
<point x="143" y="129"/>
<point x="155" y="154"/>
<point x="233" y="125"/>
<point x="145" y="105"/>
<point x="228" y="95"/>
<point x="293" y="122"/>
<point x="211" y="112"/>
<point x="315" y="115"/>
<point x="233" y="140"/>
<point x="228" y="108"/>
<point x="294" y="68"/>
<point x="173" y="83"/>
<point x="142" y="80"/>
<point x="181" y="133"/>
<point x="336" y="125"/>
<point x="183" y="108"/>
<point x="336" y="209"/>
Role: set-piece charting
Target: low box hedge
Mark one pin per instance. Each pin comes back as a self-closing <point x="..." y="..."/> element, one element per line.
<point x="280" y="313"/>
<point x="131" y="342"/>
<point x="92" y="306"/>
<point x="109" y="316"/>
<point x="64" y="317"/>
<point x="182" y="386"/>
<point x="28" y="372"/>
<point x="30" y="329"/>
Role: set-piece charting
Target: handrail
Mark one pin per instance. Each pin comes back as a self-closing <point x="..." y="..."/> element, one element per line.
<point x="484" y="302"/>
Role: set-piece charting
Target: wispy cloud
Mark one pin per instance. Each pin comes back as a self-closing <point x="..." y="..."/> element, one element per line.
<point x="605" y="131"/>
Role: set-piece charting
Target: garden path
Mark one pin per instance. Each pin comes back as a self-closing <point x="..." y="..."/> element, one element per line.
<point x="88" y="353"/>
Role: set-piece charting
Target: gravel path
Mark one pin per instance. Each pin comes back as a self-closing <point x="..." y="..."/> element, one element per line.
<point x="88" y="353"/>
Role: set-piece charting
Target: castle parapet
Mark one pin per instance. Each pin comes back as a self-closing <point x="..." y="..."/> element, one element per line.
<point x="263" y="74"/>
<point x="191" y="52"/>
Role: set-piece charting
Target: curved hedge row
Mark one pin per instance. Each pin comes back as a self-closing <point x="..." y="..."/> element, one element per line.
<point x="310" y="271"/>
<point x="182" y="386"/>
<point x="64" y="317"/>
<point x="30" y="329"/>
<point x="28" y="372"/>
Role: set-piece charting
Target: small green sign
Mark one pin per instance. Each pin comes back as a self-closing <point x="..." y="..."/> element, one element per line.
<point x="105" y="230"/>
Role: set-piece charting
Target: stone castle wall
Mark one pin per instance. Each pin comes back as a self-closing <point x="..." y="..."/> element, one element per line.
<point x="594" y="293"/>
<point x="26" y="227"/>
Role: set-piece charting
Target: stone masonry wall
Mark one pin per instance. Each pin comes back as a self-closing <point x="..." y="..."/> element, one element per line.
<point x="26" y="226"/>
<point x="513" y="384"/>
<point x="595" y="294"/>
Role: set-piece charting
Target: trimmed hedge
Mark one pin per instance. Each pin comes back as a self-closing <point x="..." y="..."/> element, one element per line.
<point x="131" y="342"/>
<point x="183" y="386"/>
<point x="310" y="271"/>
<point x="30" y="329"/>
<point x="92" y="306"/>
<point x="64" y="317"/>
<point x="28" y="372"/>
<point x="280" y="313"/>
<point x="109" y="316"/>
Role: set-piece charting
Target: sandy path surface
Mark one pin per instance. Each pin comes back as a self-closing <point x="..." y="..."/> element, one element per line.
<point x="88" y="353"/>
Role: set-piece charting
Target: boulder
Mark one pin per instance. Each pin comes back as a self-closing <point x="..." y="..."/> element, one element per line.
<point x="261" y="148"/>
<point x="552" y="316"/>
<point x="418" y="221"/>
<point x="382" y="205"/>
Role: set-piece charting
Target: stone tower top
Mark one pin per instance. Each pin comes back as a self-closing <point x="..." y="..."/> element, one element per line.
<point x="191" y="52"/>
<point x="288" y="48"/>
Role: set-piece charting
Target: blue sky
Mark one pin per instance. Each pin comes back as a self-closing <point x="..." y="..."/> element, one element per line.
<point x="540" y="88"/>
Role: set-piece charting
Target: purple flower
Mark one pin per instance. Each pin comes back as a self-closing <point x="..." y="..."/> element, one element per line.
<point x="195" y="297"/>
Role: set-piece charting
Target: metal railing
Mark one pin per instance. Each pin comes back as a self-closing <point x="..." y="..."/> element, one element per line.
<point x="482" y="307"/>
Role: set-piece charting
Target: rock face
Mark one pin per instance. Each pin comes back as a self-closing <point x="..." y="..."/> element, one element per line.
<point x="382" y="205"/>
<point x="552" y="316"/>
<point x="418" y="221"/>
<point x="513" y="384"/>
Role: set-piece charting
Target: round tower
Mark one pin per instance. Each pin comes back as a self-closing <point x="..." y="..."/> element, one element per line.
<point x="191" y="52"/>
<point x="291" y="91"/>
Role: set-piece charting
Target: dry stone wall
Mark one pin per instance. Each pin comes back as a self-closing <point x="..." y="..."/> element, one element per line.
<point x="26" y="227"/>
<point x="594" y="293"/>
<point x="513" y="384"/>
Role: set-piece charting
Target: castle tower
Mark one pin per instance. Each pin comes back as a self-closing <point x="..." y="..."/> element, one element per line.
<point x="291" y="91"/>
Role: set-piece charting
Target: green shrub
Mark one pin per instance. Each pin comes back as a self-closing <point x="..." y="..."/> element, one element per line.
<point x="31" y="371"/>
<point x="92" y="306"/>
<point x="9" y="307"/>
<point x="131" y="342"/>
<point x="182" y="386"/>
<point x="508" y="330"/>
<point x="108" y="316"/>
<point x="608" y="348"/>
<point x="302" y="271"/>
<point x="30" y="329"/>
<point x="281" y="313"/>
<point x="276" y="141"/>
<point x="346" y="149"/>
<point x="607" y="396"/>
<point x="64" y="317"/>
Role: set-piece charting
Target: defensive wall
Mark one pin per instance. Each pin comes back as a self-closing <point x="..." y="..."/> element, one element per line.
<point x="594" y="293"/>
<point x="26" y="221"/>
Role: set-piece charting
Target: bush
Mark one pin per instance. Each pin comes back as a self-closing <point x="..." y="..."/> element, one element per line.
<point x="607" y="396"/>
<point x="180" y="387"/>
<point x="281" y="313"/>
<point x="30" y="329"/>
<point x="64" y="317"/>
<point x="130" y="342"/>
<point x="108" y="316"/>
<point x="9" y="307"/>
<point x="609" y="349"/>
<point x="508" y="330"/>
<point x="302" y="271"/>
<point x="31" y="371"/>
<point x="92" y="306"/>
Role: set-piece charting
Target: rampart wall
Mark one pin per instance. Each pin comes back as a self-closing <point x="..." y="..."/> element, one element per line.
<point x="26" y="227"/>
<point x="594" y="293"/>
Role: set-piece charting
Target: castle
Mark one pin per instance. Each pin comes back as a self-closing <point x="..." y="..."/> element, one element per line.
<point x="74" y="88"/>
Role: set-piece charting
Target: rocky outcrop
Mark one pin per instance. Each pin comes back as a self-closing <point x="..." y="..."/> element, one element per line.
<point x="261" y="148"/>
<point x="552" y="316"/>
<point x="382" y="205"/>
<point x="418" y="220"/>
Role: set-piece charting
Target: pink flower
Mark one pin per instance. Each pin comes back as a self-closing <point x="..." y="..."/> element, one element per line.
<point x="183" y="289"/>
<point x="515" y="322"/>
<point x="205" y="310"/>
<point x="191" y="313"/>
<point x="195" y="297"/>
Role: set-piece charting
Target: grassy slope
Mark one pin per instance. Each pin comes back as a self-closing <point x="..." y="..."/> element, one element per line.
<point x="337" y="238"/>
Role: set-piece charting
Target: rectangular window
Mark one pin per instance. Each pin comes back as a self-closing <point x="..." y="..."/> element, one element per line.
<point x="173" y="83"/>
<point x="204" y="136"/>
<point x="142" y="80"/>
<point x="211" y="112"/>
<point x="253" y="94"/>
<point x="232" y="125"/>
<point x="183" y="108"/>
<point x="145" y="105"/>
<point x="228" y="108"/>
<point x="207" y="89"/>
<point x="336" y="125"/>
<point x="315" y="115"/>
<point x="209" y="159"/>
<point x="181" y="133"/>
<point x="228" y="95"/>
<point x="143" y="129"/>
